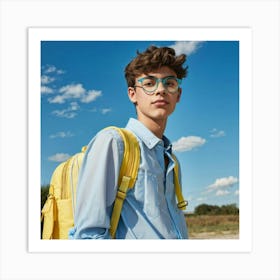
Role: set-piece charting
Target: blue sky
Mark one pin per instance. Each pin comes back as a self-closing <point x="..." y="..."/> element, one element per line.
<point x="83" y="90"/>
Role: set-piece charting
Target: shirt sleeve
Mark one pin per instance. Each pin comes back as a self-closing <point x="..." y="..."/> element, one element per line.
<point x="97" y="186"/>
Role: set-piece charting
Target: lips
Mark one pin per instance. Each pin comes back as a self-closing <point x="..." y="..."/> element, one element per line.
<point x="160" y="102"/>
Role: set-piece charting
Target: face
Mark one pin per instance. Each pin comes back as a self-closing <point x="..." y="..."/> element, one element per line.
<point x="158" y="105"/>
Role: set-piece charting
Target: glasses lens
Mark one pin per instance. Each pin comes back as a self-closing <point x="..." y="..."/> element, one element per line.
<point x="171" y="84"/>
<point x="149" y="84"/>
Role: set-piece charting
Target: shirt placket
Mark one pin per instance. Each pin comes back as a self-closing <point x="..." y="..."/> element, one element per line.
<point x="160" y="155"/>
<point x="163" y="152"/>
<point x="169" y="191"/>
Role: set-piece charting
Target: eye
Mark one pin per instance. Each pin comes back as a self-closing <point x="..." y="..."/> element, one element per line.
<point x="171" y="82"/>
<point x="148" y="82"/>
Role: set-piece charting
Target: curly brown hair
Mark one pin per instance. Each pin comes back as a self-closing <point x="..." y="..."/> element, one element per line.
<point x="152" y="59"/>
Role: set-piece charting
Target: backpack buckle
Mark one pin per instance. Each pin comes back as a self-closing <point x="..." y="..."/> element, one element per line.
<point x="182" y="204"/>
<point x="121" y="194"/>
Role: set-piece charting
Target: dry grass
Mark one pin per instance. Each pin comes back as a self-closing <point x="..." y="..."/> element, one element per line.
<point x="213" y="226"/>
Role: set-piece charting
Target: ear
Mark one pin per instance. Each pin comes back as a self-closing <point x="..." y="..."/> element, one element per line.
<point x="132" y="95"/>
<point x="179" y="95"/>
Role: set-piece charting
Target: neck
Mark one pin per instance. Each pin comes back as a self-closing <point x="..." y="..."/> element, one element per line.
<point x="156" y="126"/>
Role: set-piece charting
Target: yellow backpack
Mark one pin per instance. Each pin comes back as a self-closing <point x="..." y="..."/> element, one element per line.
<point x="58" y="211"/>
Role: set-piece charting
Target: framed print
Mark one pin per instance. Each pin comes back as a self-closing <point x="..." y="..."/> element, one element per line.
<point x="76" y="88"/>
<point x="62" y="80"/>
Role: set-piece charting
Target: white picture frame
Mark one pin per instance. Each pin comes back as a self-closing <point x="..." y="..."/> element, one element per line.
<point x="259" y="260"/>
<point x="243" y="35"/>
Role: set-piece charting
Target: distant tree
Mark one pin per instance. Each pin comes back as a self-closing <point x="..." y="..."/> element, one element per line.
<point x="230" y="209"/>
<point x="44" y="194"/>
<point x="206" y="209"/>
<point x="203" y="209"/>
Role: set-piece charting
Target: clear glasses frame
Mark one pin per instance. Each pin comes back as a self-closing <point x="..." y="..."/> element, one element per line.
<point x="150" y="84"/>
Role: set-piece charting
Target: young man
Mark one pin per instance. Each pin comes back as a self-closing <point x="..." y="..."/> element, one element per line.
<point x="150" y="209"/>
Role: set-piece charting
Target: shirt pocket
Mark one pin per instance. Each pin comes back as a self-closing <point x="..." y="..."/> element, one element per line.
<point x="147" y="192"/>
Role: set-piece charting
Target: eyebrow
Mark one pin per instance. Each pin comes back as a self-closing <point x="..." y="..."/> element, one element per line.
<point x="151" y="76"/>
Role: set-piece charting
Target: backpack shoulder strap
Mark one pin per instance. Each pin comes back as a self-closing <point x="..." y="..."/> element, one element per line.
<point x="181" y="202"/>
<point x="128" y="174"/>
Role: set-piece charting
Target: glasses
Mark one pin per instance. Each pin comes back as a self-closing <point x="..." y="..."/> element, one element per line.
<point x="150" y="84"/>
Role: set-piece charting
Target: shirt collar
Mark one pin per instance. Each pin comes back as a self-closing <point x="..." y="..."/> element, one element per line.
<point x="149" y="139"/>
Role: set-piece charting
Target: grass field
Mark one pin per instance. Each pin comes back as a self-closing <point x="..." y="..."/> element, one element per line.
<point x="213" y="226"/>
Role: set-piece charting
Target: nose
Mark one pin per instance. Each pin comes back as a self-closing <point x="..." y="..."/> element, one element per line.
<point x="160" y="88"/>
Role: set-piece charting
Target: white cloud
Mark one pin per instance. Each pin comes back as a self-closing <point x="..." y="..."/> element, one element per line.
<point x="47" y="69"/>
<point x="75" y="91"/>
<point x="59" y="71"/>
<point x="201" y="199"/>
<point x="61" y="134"/>
<point x="72" y="91"/>
<point x="105" y="111"/>
<point x="223" y="183"/>
<point x="59" y="99"/>
<point x="186" y="47"/>
<point x="222" y="192"/>
<point x="47" y="79"/>
<point x="59" y="157"/>
<point x="69" y="112"/>
<point x="188" y="143"/>
<point x="46" y="90"/>
<point x="90" y="96"/>
<point x="49" y="75"/>
<point x="215" y="133"/>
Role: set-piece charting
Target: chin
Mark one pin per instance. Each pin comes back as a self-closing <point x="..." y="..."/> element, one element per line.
<point x="163" y="116"/>
<point x="163" y="113"/>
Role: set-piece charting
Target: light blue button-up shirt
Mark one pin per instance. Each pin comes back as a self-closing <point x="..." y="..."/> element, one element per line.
<point x="150" y="209"/>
